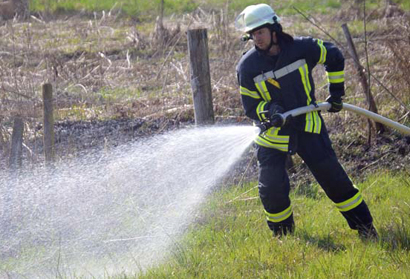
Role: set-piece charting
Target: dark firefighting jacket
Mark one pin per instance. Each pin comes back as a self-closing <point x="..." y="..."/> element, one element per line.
<point x="286" y="80"/>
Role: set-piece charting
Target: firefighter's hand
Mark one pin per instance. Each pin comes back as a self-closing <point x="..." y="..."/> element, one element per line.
<point x="274" y="109"/>
<point x="277" y="120"/>
<point x="336" y="102"/>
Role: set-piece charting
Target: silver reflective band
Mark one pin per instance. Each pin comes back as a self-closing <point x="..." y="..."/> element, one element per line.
<point x="346" y="207"/>
<point x="263" y="77"/>
<point x="289" y="68"/>
<point x="281" y="72"/>
<point x="336" y="77"/>
<point x="278" y="217"/>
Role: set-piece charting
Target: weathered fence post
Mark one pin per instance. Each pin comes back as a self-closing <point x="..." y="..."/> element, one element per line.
<point x="363" y="79"/>
<point x="200" y="76"/>
<point x="16" y="144"/>
<point x="48" y="123"/>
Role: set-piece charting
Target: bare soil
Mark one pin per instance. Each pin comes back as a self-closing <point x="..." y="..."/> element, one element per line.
<point x="117" y="81"/>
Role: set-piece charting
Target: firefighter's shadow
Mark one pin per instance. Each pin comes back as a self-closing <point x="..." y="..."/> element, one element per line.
<point x="395" y="239"/>
<point x="325" y="243"/>
<point x="389" y="239"/>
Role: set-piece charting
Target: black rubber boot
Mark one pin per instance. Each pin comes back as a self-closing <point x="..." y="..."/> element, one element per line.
<point x="368" y="232"/>
<point x="358" y="217"/>
<point x="282" y="228"/>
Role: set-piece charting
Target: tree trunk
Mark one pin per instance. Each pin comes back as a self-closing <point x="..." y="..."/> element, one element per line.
<point x="362" y="76"/>
<point x="48" y="123"/>
<point x="16" y="144"/>
<point x="200" y="76"/>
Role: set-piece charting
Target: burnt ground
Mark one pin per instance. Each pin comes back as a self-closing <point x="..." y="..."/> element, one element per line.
<point x="387" y="152"/>
<point x="129" y="64"/>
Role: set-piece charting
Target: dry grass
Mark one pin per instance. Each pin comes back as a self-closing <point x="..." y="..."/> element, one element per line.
<point x="106" y="67"/>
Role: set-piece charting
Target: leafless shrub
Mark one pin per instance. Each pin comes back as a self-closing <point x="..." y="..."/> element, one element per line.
<point x="398" y="58"/>
<point x="104" y="68"/>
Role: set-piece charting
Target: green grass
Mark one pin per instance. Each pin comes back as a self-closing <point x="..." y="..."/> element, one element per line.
<point x="143" y="9"/>
<point x="231" y="239"/>
<point x="149" y="9"/>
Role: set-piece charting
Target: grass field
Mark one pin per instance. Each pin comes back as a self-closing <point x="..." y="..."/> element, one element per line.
<point x="146" y="9"/>
<point x="231" y="239"/>
<point x="109" y="67"/>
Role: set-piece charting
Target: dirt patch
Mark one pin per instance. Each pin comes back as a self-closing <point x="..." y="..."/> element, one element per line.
<point x="389" y="151"/>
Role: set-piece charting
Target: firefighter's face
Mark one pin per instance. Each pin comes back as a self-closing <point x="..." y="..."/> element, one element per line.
<point x="262" y="38"/>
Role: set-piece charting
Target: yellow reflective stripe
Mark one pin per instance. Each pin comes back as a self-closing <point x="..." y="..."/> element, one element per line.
<point x="265" y="143"/>
<point x="335" y="77"/>
<point x="323" y="52"/>
<point x="279" y="217"/>
<point x="261" y="86"/>
<point x="260" y="109"/>
<point x="350" y="203"/>
<point x="313" y="122"/>
<point x="309" y="122"/>
<point x="304" y="74"/>
<point x="318" y="122"/>
<point x="272" y="135"/>
<point x="247" y="92"/>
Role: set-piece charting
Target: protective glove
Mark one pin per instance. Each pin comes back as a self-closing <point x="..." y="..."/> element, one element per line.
<point x="276" y="120"/>
<point x="336" y="102"/>
<point x="274" y="115"/>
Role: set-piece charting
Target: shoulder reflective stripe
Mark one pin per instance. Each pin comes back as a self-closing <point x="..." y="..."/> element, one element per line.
<point x="323" y="52"/>
<point x="260" y="109"/>
<point x="350" y="203"/>
<point x="265" y="143"/>
<point x="247" y="92"/>
<point x="279" y="217"/>
<point x="272" y="135"/>
<point x="261" y="86"/>
<point x="335" y="77"/>
<point x="289" y="68"/>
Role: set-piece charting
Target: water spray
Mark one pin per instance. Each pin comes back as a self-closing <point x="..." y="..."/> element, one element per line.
<point x="325" y="106"/>
<point x="116" y="211"/>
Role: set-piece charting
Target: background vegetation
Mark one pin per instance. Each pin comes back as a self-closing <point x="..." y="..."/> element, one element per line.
<point x="110" y="63"/>
<point x="146" y="8"/>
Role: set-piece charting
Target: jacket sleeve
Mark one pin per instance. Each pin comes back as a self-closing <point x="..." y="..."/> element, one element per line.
<point x="252" y="102"/>
<point x="332" y="58"/>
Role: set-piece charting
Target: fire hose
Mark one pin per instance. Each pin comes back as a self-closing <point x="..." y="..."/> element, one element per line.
<point x="326" y="106"/>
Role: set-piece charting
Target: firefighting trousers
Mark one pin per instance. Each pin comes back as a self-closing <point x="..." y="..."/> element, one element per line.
<point x="317" y="152"/>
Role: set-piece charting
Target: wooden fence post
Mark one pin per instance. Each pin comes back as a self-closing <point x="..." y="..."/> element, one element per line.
<point x="363" y="80"/>
<point x="48" y="123"/>
<point x="200" y="76"/>
<point x="16" y="144"/>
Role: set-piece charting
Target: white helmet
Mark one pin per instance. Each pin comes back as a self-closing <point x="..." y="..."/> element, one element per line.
<point x="255" y="16"/>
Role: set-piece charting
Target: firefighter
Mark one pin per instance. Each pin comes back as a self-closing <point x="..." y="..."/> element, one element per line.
<point x="276" y="76"/>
